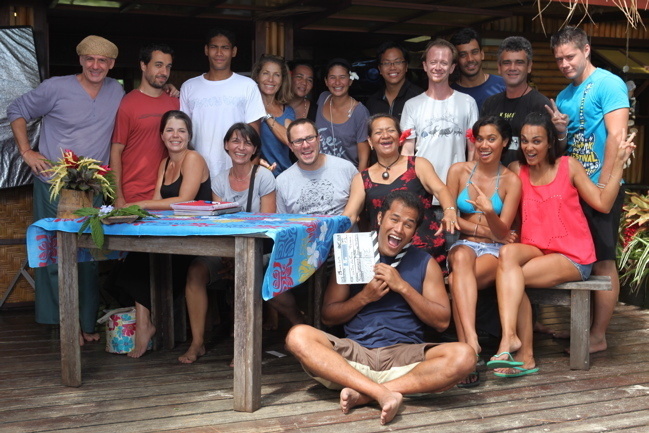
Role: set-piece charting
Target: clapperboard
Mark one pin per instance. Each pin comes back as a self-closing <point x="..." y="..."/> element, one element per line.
<point x="356" y="254"/>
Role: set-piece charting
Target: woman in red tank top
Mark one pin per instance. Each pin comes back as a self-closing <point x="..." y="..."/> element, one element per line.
<point x="556" y="245"/>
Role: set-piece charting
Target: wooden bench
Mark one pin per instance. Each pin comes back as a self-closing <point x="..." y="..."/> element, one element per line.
<point x="576" y="295"/>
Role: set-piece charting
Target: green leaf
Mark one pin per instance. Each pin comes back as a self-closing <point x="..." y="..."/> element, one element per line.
<point x="97" y="232"/>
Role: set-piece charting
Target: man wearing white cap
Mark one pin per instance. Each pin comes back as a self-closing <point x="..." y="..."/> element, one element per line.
<point x="78" y="113"/>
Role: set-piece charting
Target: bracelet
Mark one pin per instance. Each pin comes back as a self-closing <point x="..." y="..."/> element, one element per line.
<point x="25" y="151"/>
<point x="601" y="185"/>
<point x="449" y="208"/>
<point x="475" y="231"/>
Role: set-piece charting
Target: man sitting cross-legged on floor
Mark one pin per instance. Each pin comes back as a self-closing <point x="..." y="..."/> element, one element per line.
<point x="384" y="355"/>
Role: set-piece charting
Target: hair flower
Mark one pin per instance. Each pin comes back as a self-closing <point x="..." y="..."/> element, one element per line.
<point x="353" y="76"/>
<point x="404" y="135"/>
<point x="470" y="136"/>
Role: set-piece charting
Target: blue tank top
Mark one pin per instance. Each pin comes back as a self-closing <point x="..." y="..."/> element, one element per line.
<point x="463" y="196"/>
<point x="390" y="320"/>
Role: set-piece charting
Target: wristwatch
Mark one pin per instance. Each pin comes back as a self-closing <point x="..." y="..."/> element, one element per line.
<point x="268" y="116"/>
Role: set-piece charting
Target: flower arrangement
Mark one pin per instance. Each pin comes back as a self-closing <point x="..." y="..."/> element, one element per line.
<point x="80" y="174"/>
<point x="633" y="254"/>
<point x="98" y="216"/>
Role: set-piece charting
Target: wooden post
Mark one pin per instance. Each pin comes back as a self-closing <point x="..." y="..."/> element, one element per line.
<point x="247" y="324"/>
<point x="69" y="309"/>
<point x="579" y="329"/>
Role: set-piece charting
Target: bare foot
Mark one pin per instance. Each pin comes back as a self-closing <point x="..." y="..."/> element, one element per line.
<point x="350" y="398"/>
<point x="143" y="334"/>
<point x="561" y="335"/>
<point x="543" y="329"/>
<point x="511" y="345"/>
<point x="192" y="354"/>
<point x="390" y="405"/>
<point x="595" y="345"/>
<point x="87" y="337"/>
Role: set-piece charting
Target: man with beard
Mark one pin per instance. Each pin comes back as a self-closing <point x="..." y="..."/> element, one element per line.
<point x="473" y="80"/>
<point x="136" y="152"/>
<point x="137" y="148"/>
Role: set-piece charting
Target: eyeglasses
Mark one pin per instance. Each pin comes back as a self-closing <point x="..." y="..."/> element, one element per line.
<point x="390" y="64"/>
<point x="300" y="141"/>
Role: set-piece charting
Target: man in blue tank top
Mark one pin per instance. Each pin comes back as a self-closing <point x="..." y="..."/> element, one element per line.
<point x="384" y="355"/>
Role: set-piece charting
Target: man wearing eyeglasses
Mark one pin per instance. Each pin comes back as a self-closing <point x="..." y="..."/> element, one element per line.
<point x="316" y="184"/>
<point x="393" y="62"/>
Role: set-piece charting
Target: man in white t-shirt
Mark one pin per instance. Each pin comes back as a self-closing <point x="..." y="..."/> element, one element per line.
<point x="218" y="99"/>
<point x="439" y="117"/>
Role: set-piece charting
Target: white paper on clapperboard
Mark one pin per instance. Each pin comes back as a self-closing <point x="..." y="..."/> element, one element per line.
<point x="354" y="256"/>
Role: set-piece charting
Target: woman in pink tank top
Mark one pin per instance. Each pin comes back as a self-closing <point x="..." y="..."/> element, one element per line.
<point x="556" y="245"/>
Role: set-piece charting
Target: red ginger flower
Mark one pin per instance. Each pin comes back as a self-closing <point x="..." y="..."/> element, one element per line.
<point x="469" y="135"/>
<point x="70" y="158"/>
<point x="404" y="135"/>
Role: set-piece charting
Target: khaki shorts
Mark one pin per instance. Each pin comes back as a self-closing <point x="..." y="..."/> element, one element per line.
<point x="380" y="365"/>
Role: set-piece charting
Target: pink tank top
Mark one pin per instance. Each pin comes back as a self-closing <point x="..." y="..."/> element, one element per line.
<point x="552" y="218"/>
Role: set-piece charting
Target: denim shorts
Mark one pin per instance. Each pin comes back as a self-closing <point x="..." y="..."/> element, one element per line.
<point x="480" y="248"/>
<point x="584" y="270"/>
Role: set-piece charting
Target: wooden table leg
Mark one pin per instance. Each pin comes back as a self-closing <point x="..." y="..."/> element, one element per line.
<point x="162" y="300"/>
<point x="579" y="329"/>
<point x="247" y="324"/>
<point x="69" y="309"/>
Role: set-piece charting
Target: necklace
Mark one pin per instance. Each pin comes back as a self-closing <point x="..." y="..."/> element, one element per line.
<point x="306" y="109"/>
<point x="240" y="179"/>
<point x="331" y="114"/>
<point x="386" y="173"/>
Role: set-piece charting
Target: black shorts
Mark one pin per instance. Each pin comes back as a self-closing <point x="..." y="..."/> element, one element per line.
<point x="604" y="227"/>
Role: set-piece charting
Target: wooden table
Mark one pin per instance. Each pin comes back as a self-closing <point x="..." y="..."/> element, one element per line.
<point x="245" y="248"/>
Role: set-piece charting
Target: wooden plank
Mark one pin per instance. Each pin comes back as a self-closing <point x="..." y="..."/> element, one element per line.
<point x="189" y="245"/>
<point x="69" y="309"/>
<point x="247" y="324"/>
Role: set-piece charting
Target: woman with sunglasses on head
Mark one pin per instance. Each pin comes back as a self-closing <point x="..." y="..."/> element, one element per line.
<point x="342" y="120"/>
<point x="273" y="78"/>
<point x="556" y="243"/>
<point x="253" y="188"/>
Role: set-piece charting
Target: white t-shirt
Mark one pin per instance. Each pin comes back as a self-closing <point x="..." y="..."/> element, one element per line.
<point x="264" y="185"/>
<point x="324" y="191"/>
<point x="439" y="128"/>
<point x="214" y="106"/>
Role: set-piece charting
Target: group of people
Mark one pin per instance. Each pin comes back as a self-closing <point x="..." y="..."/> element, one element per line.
<point x="530" y="188"/>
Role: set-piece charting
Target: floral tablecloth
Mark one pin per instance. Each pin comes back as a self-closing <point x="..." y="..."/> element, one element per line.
<point x="301" y="242"/>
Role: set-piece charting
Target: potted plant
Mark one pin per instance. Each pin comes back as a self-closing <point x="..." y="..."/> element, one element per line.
<point x="76" y="179"/>
<point x="633" y="252"/>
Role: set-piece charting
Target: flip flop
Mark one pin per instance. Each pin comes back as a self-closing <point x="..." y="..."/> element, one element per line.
<point x="475" y="383"/>
<point x="504" y="363"/>
<point x="521" y="372"/>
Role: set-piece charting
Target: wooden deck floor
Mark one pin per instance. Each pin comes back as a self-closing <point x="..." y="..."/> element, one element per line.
<point x="155" y="393"/>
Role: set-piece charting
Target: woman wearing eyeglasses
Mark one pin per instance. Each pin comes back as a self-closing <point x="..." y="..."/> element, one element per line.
<point x="341" y="120"/>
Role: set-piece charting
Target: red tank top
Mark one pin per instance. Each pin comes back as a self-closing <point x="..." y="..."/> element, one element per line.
<point x="552" y="217"/>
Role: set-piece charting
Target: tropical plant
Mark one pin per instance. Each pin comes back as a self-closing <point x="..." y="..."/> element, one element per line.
<point x="96" y="215"/>
<point x="80" y="174"/>
<point x="633" y="254"/>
